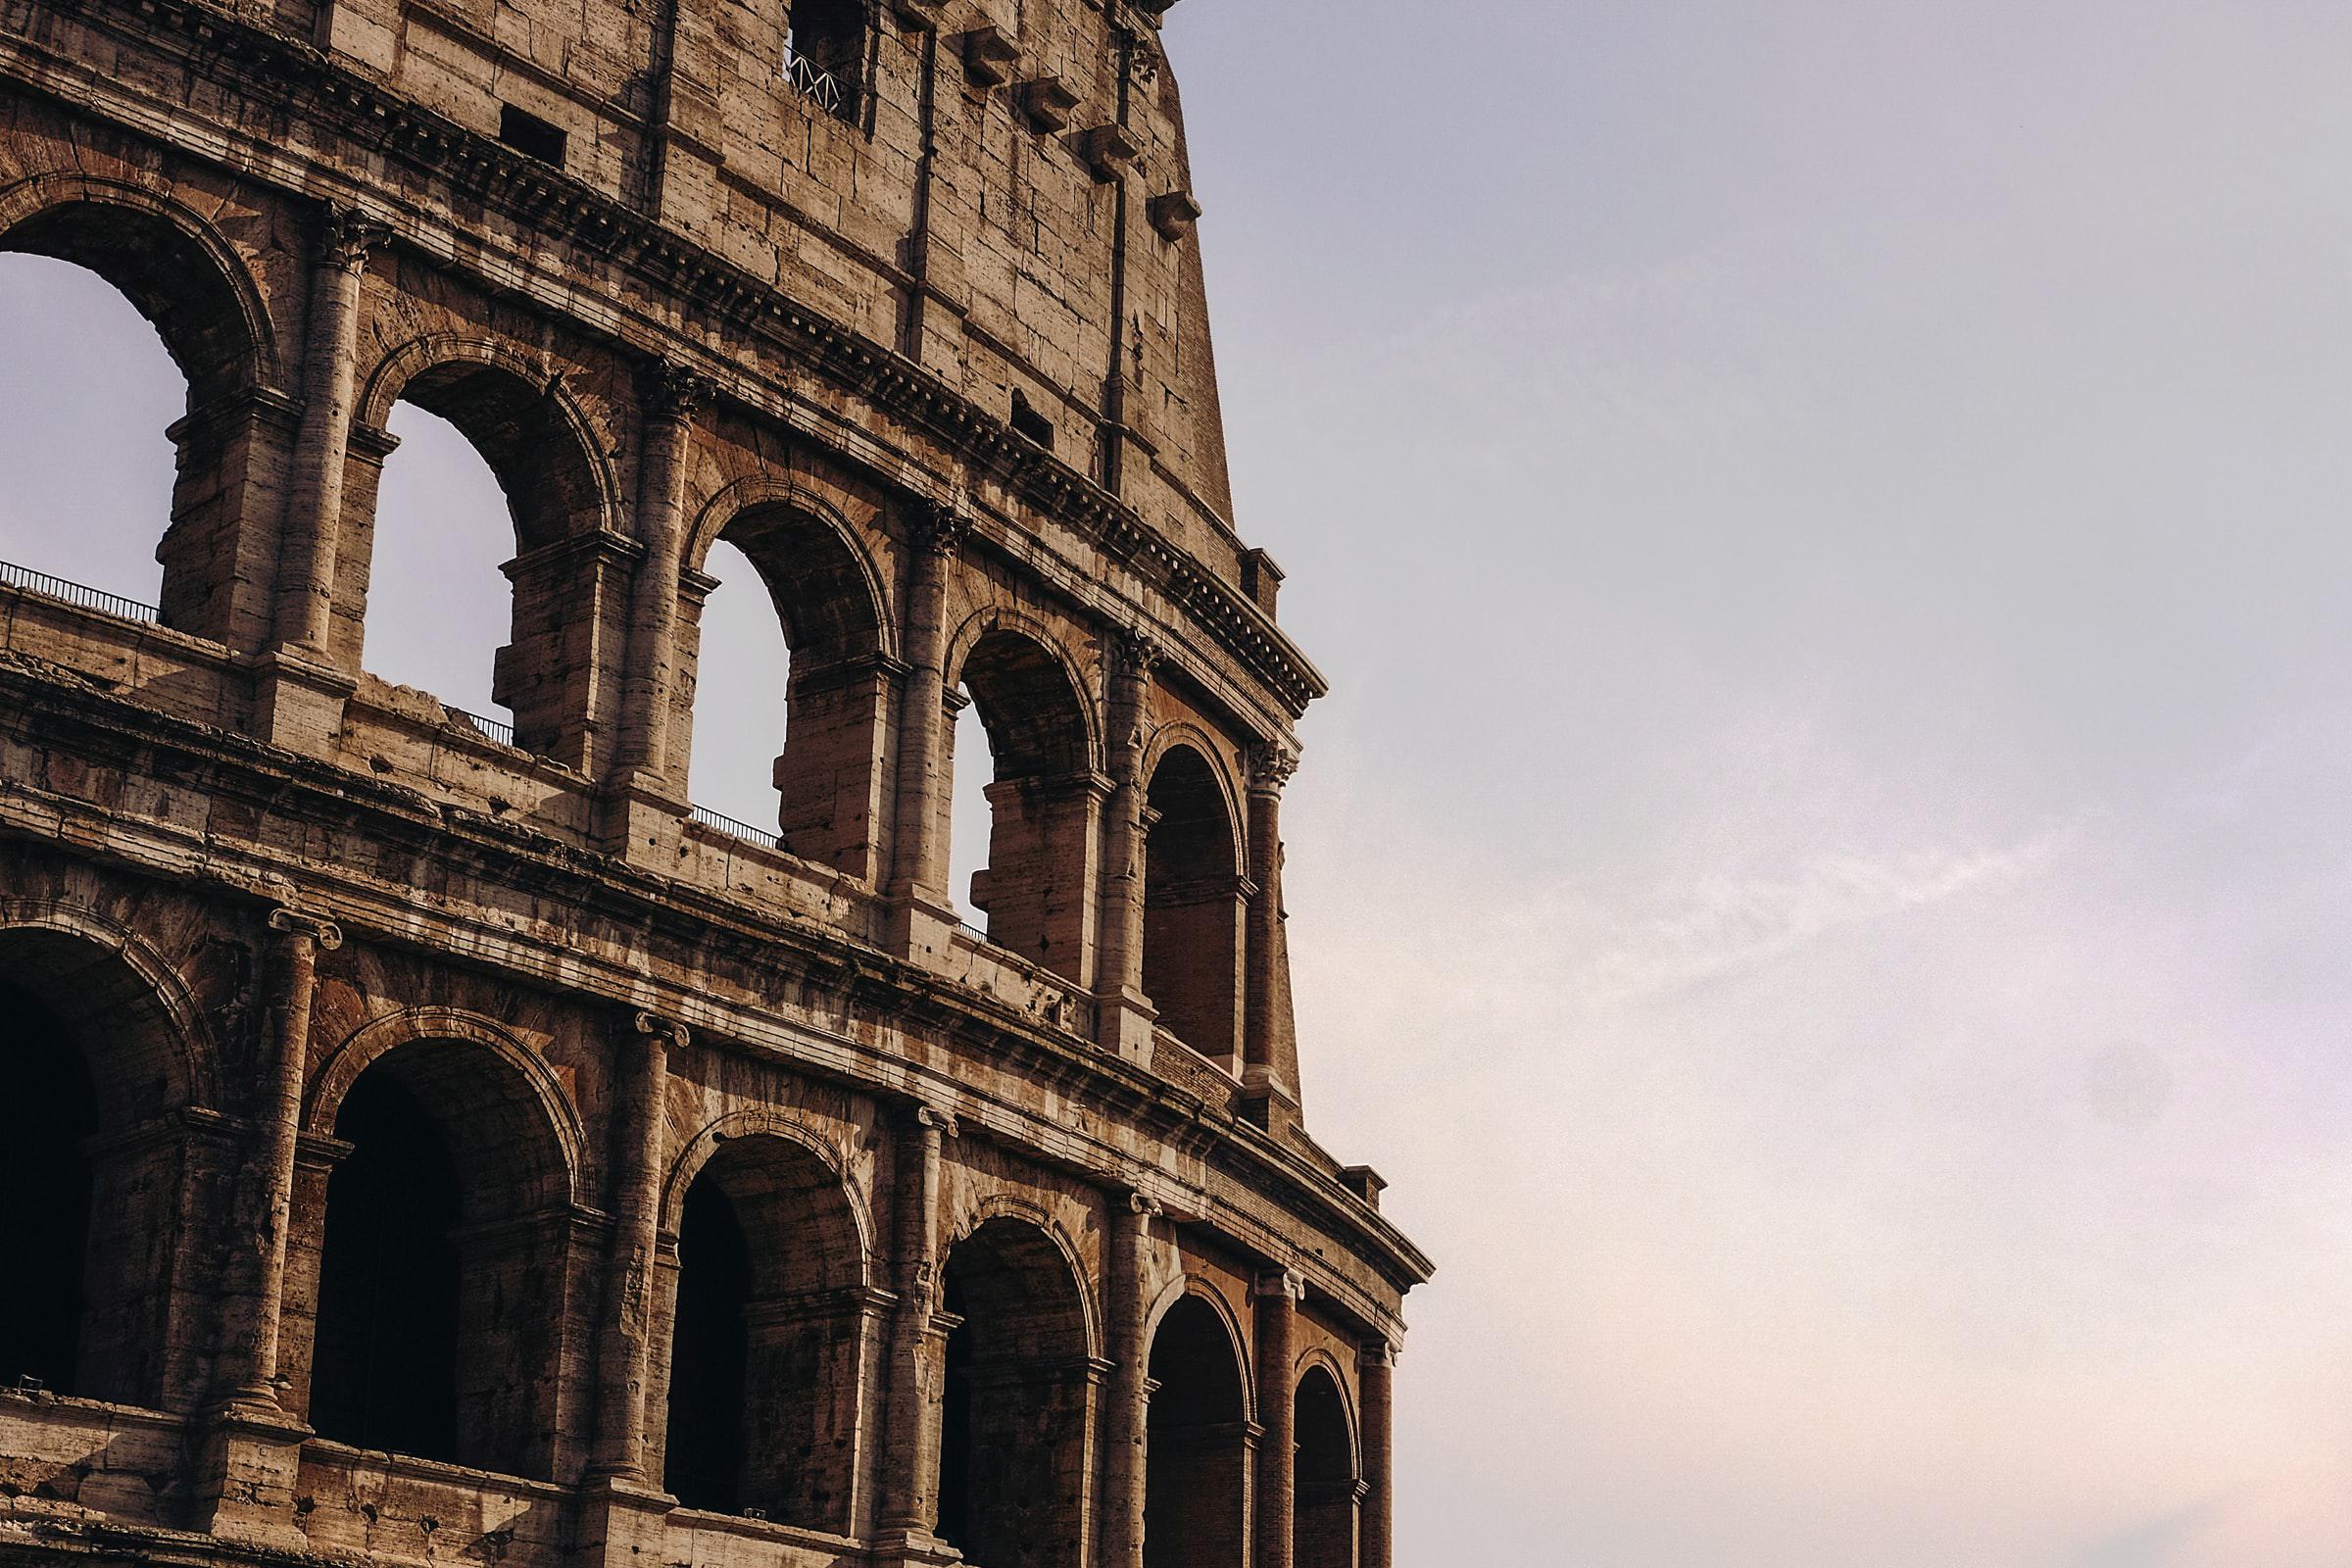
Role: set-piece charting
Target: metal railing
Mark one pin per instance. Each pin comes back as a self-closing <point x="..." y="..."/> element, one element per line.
<point x="812" y="83"/>
<point x="490" y="728"/>
<point x="76" y="593"/>
<point x="734" y="829"/>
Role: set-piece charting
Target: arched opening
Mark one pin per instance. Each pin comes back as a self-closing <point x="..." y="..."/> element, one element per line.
<point x="1016" y="1402"/>
<point x="1325" y="1486"/>
<point x="439" y="604"/>
<point x="1197" y="1451"/>
<point x="499" y="482"/>
<point x="1036" y="893"/>
<point x="442" y="1279"/>
<point x="91" y="1054"/>
<point x="138" y="330"/>
<point x="761" y="1401"/>
<point x="1194" y="908"/>
<point x="785" y="693"/>
<point x="45" y="1169"/>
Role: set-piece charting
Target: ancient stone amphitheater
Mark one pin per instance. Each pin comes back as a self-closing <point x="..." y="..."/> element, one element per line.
<point x="432" y="1140"/>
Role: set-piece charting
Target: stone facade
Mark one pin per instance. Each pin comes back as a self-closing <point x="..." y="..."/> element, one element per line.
<point x="440" y="1144"/>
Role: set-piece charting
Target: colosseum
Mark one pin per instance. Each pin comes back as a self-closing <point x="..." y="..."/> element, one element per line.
<point x="430" y="1137"/>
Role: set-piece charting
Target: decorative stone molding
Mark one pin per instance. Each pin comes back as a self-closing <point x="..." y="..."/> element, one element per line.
<point x="988" y="56"/>
<point x="1109" y="151"/>
<point x="1047" y="101"/>
<point x="1271" y="764"/>
<point x="293" y="922"/>
<point x="1174" y="212"/>
<point x="347" y="238"/>
<point x="677" y="392"/>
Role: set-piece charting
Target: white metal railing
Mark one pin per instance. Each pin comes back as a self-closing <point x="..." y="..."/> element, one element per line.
<point x="75" y="593"/>
<point x="811" y="82"/>
<point x="734" y="829"/>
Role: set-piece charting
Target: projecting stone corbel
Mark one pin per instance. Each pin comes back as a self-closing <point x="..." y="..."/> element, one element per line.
<point x="1047" y="101"/>
<point x="988" y="56"/>
<point x="1174" y="214"/>
<point x="1109" y="151"/>
<point x="925" y="15"/>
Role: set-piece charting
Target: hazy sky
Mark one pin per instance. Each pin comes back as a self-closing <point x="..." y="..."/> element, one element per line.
<point x="1825" y="874"/>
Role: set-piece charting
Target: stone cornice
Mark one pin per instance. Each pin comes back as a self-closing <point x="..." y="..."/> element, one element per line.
<point x="297" y="76"/>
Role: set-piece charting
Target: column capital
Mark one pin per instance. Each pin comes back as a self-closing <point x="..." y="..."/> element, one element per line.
<point x="347" y="238"/>
<point x="1286" y="1283"/>
<point x="317" y="928"/>
<point x="1140" y="1204"/>
<point x="927" y="1116"/>
<point x="1271" y="764"/>
<point x="1378" y="1349"/>
<point x="936" y="528"/>
<point x="667" y="1032"/>
<point x="1132" y="655"/>
<point x="674" y="391"/>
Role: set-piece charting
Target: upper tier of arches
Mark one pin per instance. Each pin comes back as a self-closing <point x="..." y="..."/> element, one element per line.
<point x="616" y="486"/>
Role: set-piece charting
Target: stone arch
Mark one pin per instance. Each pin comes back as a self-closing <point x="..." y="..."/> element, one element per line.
<point x="102" y="1051"/>
<point x="767" y="1310"/>
<point x="167" y="260"/>
<point x="1327" y="1484"/>
<point x="562" y="497"/>
<point x="1036" y="890"/>
<point x="1198" y="1449"/>
<point x="175" y="1063"/>
<point x="1047" y="713"/>
<point x="441" y="1246"/>
<point x="1196" y="899"/>
<point x="829" y="601"/>
<point x="379" y="1037"/>
<point x="178" y="271"/>
<point x="1191" y="1286"/>
<point x="520" y="415"/>
<point x="1016" y="1416"/>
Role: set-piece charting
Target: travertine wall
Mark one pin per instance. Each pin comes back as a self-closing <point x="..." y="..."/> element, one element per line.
<point x="483" y="1156"/>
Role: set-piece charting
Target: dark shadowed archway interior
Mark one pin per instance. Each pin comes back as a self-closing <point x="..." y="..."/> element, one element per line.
<point x="1195" y="1514"/>
<point x="1323" y="1518"/>
<point x="46" y="1174"/>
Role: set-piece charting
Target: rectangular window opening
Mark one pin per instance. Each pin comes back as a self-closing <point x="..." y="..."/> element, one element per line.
<point x="530" y="135"/>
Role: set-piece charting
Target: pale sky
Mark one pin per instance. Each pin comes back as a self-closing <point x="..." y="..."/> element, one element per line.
<point x="1825" y="877"/>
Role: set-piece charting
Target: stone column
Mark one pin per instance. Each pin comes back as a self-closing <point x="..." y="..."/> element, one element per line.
<point x="1126" y="1469"/>
<point x="1277" y="1456"/>
<point x="1269" y="1052"/>
<point x="623" y="1340"/>
<point x="921" y="914"/>
<point x="252" y="1377"/>
<point x="671" y="397"/>
<point x="1123" y="1014"/>
<point x="1376" y="1372"/>
<point x="910" y="1433"/>
<point x="305" y="599"/>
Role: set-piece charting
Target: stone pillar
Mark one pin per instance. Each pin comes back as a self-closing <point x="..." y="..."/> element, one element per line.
<point x="623" y="1343"/>
<point x="670" y="396"/>
<point x="314" y="494"/>
<point x="1269" y="1046"/>
<point x="1123" y="1014"/>
<point x="1376" y="1373"/>
<point x="922" y="915"/>
<point x="1126" y="1469"/>
<point x="910" y="1435"/>
<point x="1277" y="1456"/>
<point x="251" y="1376"/>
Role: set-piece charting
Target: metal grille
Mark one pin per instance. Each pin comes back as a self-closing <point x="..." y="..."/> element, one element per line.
<point x="75" y="593"/>
<point x="736" y="830"/>
<point x="815" y="84"/>
<point x="502" y="733"/>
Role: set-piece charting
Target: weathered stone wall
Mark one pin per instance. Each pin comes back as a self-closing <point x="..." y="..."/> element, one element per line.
<point x="467" y="1151"/>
